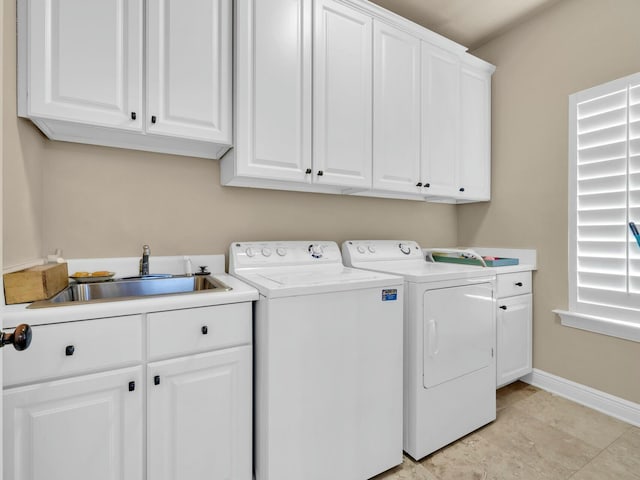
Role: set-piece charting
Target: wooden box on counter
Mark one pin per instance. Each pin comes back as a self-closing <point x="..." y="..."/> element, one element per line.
<point x="35" y="283"/>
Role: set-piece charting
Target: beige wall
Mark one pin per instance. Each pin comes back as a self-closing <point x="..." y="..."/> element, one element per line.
<point x="103" y="201"/>
<point x="93" y="201"/>
<point x="21" y="167"/>
<point x="572" y="46"/>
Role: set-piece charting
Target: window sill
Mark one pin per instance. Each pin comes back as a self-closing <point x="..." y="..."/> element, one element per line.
<point x="605" y="326"/>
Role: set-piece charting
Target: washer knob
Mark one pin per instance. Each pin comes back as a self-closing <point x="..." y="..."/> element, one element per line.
<point x="315" y="250"/>
<point x="266" y="251"/>
<point x="281" y="251"/>
<point x="360" y="249"/>
<point x="406" y="249"/>
<point x="249" y="251"/>
<point x="372" y="249"/>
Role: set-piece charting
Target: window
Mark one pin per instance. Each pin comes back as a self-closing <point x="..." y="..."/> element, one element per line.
<point x="604" y="196"/>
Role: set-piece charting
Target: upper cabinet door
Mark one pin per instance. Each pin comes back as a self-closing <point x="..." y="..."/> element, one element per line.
<point x="474" y="175"/>
<point x="440" y="121"/>
<point x="84" y="61"/>
<point x="189" y="69"/>
<point x="273" y="90"/>
<point x="396" y="110"/>
<point x="342" y="95"/>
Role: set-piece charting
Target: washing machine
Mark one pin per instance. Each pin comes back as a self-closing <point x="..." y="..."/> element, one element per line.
<point x="449" y="342"/>
<point x="328" y="362"/>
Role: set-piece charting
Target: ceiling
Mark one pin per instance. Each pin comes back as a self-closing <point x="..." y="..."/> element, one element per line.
<point x="468" y="22"/>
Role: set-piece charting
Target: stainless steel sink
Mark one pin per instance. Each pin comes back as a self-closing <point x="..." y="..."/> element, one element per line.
<point x="130" y="289"/>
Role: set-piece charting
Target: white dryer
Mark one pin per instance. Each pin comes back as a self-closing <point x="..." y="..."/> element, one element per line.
<point x="328" y="362"/>
<point x="449" y="342"/>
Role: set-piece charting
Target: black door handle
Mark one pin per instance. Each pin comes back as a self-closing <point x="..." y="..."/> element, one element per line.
<point x="503" y="307"/>
<point x="20" y="338"/>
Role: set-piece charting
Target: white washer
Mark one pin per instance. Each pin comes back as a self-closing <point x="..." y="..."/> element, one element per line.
<point x="328" y="362"/>
<point x="449" y="342"/>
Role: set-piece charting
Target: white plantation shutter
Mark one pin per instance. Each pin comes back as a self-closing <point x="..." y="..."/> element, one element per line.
<point x="605" y="197"/>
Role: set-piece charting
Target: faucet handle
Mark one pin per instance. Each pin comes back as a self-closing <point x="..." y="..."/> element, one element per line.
<point x="203" y="271"/>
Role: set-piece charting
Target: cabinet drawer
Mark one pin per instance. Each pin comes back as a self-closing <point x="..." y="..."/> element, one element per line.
<point x="180" y="332"/>
<point x="510" y="284"/>
<point x="65" y="349"/>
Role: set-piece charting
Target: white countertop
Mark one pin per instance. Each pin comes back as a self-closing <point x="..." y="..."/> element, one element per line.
<point x="528" y="259"/>
<point x="241" y="292"/>
<point x="16" y="314"/>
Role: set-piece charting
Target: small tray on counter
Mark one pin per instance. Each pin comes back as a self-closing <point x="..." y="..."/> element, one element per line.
<point x="92" y="278"/>
<point x="495" y="262"/>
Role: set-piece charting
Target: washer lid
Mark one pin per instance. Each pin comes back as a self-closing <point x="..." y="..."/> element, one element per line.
<point x="294" y="281"/>
<point x="317" y="278"/>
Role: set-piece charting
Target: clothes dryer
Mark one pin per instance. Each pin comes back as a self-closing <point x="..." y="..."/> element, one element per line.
<point x="449" y="342"/>
<point x="328" y="362"/>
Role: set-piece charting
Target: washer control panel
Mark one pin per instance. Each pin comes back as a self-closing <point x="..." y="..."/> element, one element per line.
<point x="379" y="250"/>
<point x="265" y="254"/>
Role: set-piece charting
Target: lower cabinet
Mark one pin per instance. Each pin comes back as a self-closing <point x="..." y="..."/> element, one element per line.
<point x="514" y="342"/>
<point x="88" y="427"/>
<point x="76" y="409"/>
<point x="199" y="416"/>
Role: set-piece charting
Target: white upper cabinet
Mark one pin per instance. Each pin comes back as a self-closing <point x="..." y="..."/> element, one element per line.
<point x="273" y="92"/>
<point x="341" y="96"/>
<point x="396" y="110"/>
<point x="342" y="107"/>
<point x="474" y="170"/>
<point x="456" y="142"/>
<point x="81" y="65"/>
<point x="278" y="113"/>
<point x="440" y="120"/>
<point x="84" y="62"/>
<point x="188" y="60"/>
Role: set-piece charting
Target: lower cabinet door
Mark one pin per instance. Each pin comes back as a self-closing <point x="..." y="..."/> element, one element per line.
<point x="514" y="356"/>
<point x="199" y="417"/>
<point x="81" y="428"/>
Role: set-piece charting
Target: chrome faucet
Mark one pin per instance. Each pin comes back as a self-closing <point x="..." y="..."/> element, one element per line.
<point x="144" y="261"/>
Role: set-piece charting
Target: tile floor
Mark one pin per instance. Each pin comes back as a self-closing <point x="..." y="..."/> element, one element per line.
<point x="537" y="435"/>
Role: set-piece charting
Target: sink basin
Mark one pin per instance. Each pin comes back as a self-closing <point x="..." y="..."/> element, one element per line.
<point x="132" y="288"/>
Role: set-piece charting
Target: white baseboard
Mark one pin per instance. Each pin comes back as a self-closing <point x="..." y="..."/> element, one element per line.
<point x="589" y="397"/>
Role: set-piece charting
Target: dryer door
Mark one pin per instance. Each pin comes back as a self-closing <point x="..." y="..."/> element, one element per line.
<point x="459" y="331"/>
